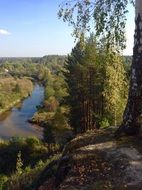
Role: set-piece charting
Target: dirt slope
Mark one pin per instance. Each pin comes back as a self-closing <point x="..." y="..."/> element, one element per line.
<point x="96" y="161"/>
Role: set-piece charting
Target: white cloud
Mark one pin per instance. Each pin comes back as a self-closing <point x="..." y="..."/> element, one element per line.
<point x="4" y="32"/>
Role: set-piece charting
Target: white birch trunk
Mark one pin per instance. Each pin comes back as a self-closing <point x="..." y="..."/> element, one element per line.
<point x="133" y="111"/>
<point x="138" y="7"/>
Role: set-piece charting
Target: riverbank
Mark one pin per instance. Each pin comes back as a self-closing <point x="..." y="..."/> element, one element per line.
<point x="13" y="91"/>
<point x="10" y="106"/>
<point x="15" y="122"/>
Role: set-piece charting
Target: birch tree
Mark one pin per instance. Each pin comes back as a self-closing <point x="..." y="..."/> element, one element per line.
<point x="132" y="115"/>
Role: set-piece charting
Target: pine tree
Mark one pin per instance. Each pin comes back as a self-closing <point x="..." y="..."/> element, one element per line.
<point x="74" y="79"/>
<point x="81" y="77"/>
<point x="97" y="86"/>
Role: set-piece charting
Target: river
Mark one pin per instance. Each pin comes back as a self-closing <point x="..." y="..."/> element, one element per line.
<point x="15" y="122"/>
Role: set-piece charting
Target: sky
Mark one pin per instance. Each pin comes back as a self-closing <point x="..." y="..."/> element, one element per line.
<point x="31" y="28"/>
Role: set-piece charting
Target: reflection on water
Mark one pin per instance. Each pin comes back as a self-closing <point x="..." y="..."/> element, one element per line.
<point x="14" y="122"/>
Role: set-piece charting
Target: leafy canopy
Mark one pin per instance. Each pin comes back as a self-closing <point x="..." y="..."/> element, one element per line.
<point x="108" y="18"/>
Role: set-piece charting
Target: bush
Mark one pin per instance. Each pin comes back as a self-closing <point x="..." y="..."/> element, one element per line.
<point x="28" y="177"/>
<point x="19" y="163"/>
<point x="33" y="141"/>
<point x="30" y="150"/>
<point x="104" y="123"/>
<point x="3" y="180"/>
<point x="16" y="141"/>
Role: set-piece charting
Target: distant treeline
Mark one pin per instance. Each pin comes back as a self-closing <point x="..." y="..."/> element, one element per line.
<point x="51" y="61"/>
<point x="47" y="59"/>
<point x="30" y="67"/>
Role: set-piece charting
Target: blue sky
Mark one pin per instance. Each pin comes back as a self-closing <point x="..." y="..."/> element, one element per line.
<point x="32" y="28"/>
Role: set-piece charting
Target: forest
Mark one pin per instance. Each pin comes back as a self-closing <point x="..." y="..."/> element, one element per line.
<point x="17" y="79"/>
<point x="79" y="77"/>
<point x="85" y="131"/>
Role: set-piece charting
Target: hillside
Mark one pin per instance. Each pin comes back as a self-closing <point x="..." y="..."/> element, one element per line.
<point x="96" y="160"/>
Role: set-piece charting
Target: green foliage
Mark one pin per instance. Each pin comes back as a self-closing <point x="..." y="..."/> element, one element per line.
<point x="104" y="123"/>
<point x="127" y="61"/>
<point x="30" y="150"/>
<point x="13" y="90"/>
<point x="19" y="163"/>
<point x="48" y="134"/>
<point x="34" y="68"/>
<point x="54" y="63"/>
<point x="115" y="88"/>
<point x="3" y="180"/>
<point x="49" y="91"/>
<point x="23" y="159"/>
<point x="33" y="141"/>
<point x="74" y="79"/>
<point x="109" y="19"/>
<point x="51" y="115"/>
<point x="84" y="80"/>
<point x="59" y="120"/>
<point x="19" y="67"/>
<point x="16" y="141"/>
<point x="97" y="85"/>
<point x="29" y="178"/>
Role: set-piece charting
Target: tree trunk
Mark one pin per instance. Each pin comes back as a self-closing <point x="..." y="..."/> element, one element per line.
<point x="133" y="110"/>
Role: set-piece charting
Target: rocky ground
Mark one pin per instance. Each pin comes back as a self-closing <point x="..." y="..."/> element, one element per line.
<point x="98" y="161"/>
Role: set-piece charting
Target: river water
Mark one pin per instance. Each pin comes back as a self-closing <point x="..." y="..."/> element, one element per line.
<point x="15" y="122"/>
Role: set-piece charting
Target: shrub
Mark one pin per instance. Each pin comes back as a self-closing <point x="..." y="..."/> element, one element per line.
<point x="19" y="163"/>
<point x="16" y="140"/>
<point x="33" y="141"/>
<point x="28" y="177"/>
<point x="104" y="123"/>
<point x="3" y="180"/>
